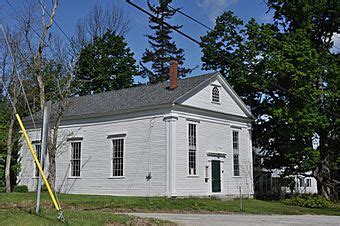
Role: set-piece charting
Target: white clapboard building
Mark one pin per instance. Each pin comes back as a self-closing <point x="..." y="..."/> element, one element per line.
<point x="189" y="137"/>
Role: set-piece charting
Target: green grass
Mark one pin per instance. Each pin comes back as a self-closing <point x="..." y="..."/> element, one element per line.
<point x="158" y="204"/>
<point x="73" y="217"/>
<point x="19" y="209"/>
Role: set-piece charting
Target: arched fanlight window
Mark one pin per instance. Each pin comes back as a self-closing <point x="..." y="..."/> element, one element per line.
<point x="215" y="94"/>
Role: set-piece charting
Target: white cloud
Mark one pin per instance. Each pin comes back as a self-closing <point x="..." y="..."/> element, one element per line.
<point x="214" y="8"/>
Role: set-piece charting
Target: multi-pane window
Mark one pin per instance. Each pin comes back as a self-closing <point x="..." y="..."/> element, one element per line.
<point x="117" y="159"/>
<point x="75" y="159"/>
<point x="236" y="154"/>
<point x="192" y="149"/>
<point x="215" y="95"/>
<point x="38" y="153"/>
<point x="301" y="182"/>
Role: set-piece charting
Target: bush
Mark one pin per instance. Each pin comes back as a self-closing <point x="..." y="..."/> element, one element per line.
<point x="2" y="189"/>
<point x="310" y="202"/>
<point x="20" y="188"/>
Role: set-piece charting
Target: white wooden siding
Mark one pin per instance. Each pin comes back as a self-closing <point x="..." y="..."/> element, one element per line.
<point x="140" y="150"/>
<point x="203" y="100"/>
<point x="146" y="145"/>
<point x="213" y="135"/>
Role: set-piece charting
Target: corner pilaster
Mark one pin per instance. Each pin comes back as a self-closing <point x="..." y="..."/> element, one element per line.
<point x="170" y="121"/>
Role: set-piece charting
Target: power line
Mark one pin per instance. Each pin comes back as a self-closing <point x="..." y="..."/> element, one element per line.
<point x="55" y="22"/>
<point x="191" y="18"/>
<point x="8" y="95"/>
<point x="231" y="61"/>
<point x="163" y="22"/>
<point x="17" y="72"/>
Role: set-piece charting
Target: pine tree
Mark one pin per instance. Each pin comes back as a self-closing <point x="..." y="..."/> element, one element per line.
<point x="162" y="48"/>
<point x="105" y="64"/>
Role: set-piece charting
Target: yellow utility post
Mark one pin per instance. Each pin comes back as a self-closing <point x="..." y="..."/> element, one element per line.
<point x="28" y="141"/>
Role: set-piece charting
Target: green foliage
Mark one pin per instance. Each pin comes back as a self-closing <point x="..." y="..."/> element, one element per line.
<point x="20" y="188"/>
<point x="2" y="189"/>
<point x="162" y="48"/>
<point x="161" y="204"/>
<point x="310" y="202"/>
<point x="4" y="118"/>
<point x="105" y="64"/>
<point x="289" y="80"/>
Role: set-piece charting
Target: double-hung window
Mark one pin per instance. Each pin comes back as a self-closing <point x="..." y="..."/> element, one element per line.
<point x="75" y="159"/>
<point x="236" y="154"/>
<point x="118" y="157"/>
<point x="192" y="148"/>
<point x="38" y="153"/>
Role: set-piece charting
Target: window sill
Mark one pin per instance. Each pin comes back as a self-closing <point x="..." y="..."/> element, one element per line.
<point x="237" y="176"/>
<point x="74" y="178"/>
<point x="118" y="177"/>
<point x="213" y="102"/>
<point x="193" y="176"/>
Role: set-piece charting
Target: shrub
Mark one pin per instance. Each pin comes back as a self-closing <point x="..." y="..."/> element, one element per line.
<point x="20" y="188"/>
<point x="310" y="202"/>
<point x="2" y="189"/>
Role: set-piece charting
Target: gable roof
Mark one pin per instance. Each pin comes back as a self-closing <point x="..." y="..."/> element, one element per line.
<point x="134" y="97"/>
<point x="138" y="97"/>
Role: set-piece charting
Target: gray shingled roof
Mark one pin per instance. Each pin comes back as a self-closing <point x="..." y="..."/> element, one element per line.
<point x="129" y="98"/>
<point x="134" y="97"/>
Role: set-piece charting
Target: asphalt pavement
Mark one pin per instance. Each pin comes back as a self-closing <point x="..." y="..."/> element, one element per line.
<point x="244" y="220"/>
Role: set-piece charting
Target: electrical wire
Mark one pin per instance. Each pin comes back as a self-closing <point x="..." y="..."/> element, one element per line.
<point x="8" y="96"/>
<point x="230" y="60"/>
<point x="191" y="18"/>
<point x="55" y="22"/>
<point x="19" y="78"/>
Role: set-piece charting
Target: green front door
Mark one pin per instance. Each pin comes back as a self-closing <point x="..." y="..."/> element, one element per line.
<point x="216" y="176"/>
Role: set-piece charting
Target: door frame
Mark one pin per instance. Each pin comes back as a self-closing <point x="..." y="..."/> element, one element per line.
<point x="221" y="160"/>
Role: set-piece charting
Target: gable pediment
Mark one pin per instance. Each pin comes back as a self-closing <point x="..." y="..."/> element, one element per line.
<point x="204" y="97"/>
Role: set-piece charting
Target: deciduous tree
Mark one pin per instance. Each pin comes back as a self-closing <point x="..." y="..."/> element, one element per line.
<point x="290" y="83"/>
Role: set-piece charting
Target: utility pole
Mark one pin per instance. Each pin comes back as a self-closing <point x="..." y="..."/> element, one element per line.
<point x="44" y="137"/>
<point x="241" y="200"/>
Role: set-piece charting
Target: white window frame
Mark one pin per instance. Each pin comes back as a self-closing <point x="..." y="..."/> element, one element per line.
<point x="117" y="137"/>
<point x="308" y="182"/>
<point x="195" y="173"/>
<point x="236" y="152"/>
<point x="38" y="156"/>
<point x="214" y="87"/>
<point x="80" y="160"/>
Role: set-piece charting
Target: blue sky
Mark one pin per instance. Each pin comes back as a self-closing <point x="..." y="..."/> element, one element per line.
<point x="70" y="11"/>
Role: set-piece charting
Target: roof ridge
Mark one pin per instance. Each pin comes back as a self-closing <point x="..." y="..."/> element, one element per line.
<point x="131" y="97"/>
<point x="142" y="85"/>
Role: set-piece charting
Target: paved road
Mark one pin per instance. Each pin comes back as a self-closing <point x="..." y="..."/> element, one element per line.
<point x="245" y="220"/>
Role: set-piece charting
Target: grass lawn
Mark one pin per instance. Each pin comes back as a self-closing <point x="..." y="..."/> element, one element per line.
<point x="72" y="217"/>
<point x="16" y="208"/>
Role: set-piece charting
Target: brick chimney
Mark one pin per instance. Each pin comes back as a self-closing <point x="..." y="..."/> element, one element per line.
<point x="173" y="74"/>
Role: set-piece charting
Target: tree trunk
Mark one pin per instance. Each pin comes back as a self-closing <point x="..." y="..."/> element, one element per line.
<point x="9" y="155"/>
<point x="51" y="167"/>
<point x="322" y="176"/>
